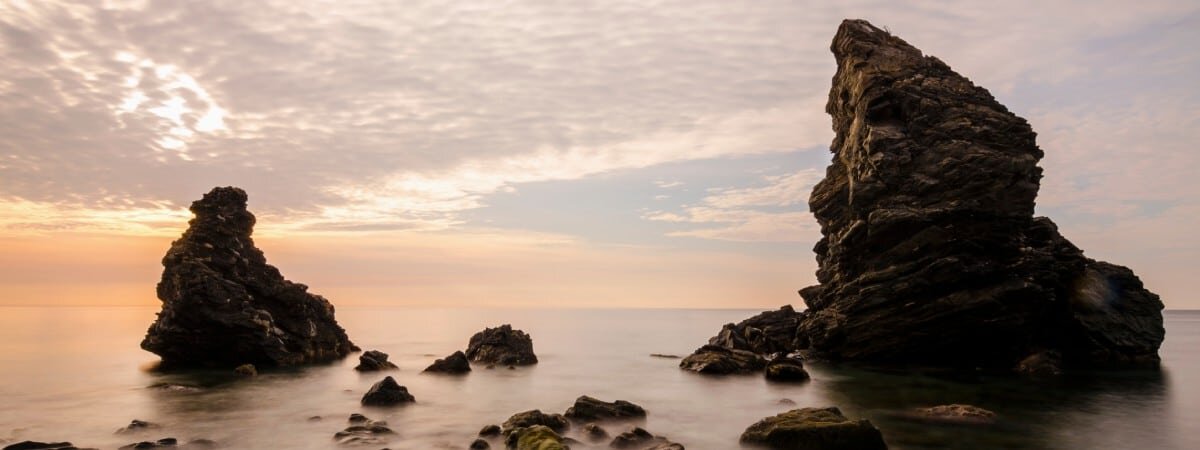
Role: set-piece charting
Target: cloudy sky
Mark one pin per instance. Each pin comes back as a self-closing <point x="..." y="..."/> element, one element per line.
<point x="533" y="153"/>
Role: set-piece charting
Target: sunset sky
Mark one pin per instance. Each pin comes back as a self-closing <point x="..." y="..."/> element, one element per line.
<point x="529" y="153"/>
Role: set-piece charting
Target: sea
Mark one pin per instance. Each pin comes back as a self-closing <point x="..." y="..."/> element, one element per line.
<point x="76" y="374"/>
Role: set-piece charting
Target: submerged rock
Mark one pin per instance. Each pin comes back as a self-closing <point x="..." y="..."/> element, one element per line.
<point x="786" y="369"/>
<point x="223" y="305"/>
<point x="716" y="360"/>
<point x="171" y="443"/>
<point x="387" y="393"/>
<point x="594" y="432"/>
<point x="954" y="414"/>
<point x="588" y="409"/>
<point x="373" y="361"/>
<point x="640" y="439"/>
<point x="246" y="370"/>
<point x="501" y="345"/>
<point x="456" y="363"/>
<point x="930" y="252"/>
<point x="536" y="437"/>
<point x="814" y="429"/>
<point x="34" y="445"/>
<point x="555" y="422"/>
<point x="480" y="444"/>
<point x="490" y="431"/>
<point x="364" y="431"/>
<point x="767" y="333"/>
<point x="137" y="426"/>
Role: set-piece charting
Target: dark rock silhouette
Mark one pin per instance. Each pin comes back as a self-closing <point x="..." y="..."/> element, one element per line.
<point x="34" y="445"/>
<point x="785" y="369"/>
<point x="930" y="251"/>
<point x="501" y="345"/>
<point x="224" y="306"/>
<point x="387" y="393"/>
<point x="137" y="426"/>
<point x="639" y="438"/>
<point x="587" y="409"/>
<point x="480" y="444"/>
<point x="594" y="433"/>
<point x="490" y="431"/>
<point x="814" y="429"/>
<point x="555" y="422"/>
<point x="717" y="360"/>
<point x="456" y="363"/>
<point x="373" y="361"/>
<point x="767" y="333"/>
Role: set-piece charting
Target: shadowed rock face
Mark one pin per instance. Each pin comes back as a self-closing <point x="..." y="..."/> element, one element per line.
<point x="223" y="305"/>
<point x="930" y="252"/>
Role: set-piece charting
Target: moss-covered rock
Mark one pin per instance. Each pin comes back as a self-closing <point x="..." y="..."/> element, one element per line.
<point x="814" y="429"/>
<point x="537" y="437"/>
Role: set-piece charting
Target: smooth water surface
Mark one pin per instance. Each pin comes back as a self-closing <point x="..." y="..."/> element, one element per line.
<point x="77" y="374"/>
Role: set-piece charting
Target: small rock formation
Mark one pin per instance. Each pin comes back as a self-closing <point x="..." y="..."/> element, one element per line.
<point x="137" y="426"/>
<point x="785" y="369"/>
<point x="480" y="444"/>
<point x="171" y="443"/>
<point x="663" y="356"/>
<point x="639" y="438"/>
<point x="555" y="422"/>
<point x="364" y="431"/>
<point x="34" y="445"/>
<point x="536" y="437"/>
<point x="717" y="360"/>
<point x="490" y="431"/>
<point x="374" y="361"/>
<point x="814" y="429"/>
<point x="223" y="305"/>
<point x="456" y="363"/>
<point x="930" y="253"/>
<point x="768" y="333"/>
<point x="387" y="393"/>
<point x="588" y="409"/>
<point x="594" y="433"/>
<point x="246" y="370"/>
<point x="501" y="345"/>
<point x="955" y="414"/>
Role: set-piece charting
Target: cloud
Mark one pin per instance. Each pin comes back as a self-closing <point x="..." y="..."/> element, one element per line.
<point x="751" y="214"/>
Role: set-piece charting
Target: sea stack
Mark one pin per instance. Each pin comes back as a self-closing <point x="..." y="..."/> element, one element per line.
<point x="224" y="306"/>
<point x="930" y="253"/>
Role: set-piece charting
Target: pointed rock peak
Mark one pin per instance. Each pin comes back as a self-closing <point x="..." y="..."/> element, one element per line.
<point x="224" y="208"/>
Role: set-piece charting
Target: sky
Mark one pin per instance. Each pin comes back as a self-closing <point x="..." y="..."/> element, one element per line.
<point x="545" y="153"/>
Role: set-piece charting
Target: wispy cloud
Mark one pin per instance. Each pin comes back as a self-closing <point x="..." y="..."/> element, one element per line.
<point x="750" y="213"/>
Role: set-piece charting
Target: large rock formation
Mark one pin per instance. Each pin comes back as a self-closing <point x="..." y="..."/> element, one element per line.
<point x="223" y="305"/>
<point x="930" y="251"/>
<point x="501" y="345"/>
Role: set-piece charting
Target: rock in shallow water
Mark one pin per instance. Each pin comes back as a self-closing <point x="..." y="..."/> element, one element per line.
<point x="767" y="333"/>
<point x="954" y="414"/>
<point x="34" y="445"/>
<point x="363" y="431"/>
<point x="591" y="409"/>
<point x="785" y="369"/>
<point x="387" y="393"/>
<point x="930" y="252"/>
<point x="814" y="429"/>
<point x="640" y="439"/>
<point x="716" y="360"/>
<point x="373" y="361"/>
<point x="456" y="363"/>
<point x="536" y="437"/>
<point x="555" y="422"/>
<point x="223" y="305"/>
<point x="501" y="345"/>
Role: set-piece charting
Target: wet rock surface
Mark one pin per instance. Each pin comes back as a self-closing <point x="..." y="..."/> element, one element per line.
<point x="767" y="333"/>
<point x="137" y="426"/>
<point x="536" y="437"/>
<point x="171" y="443"/>
<point x="785" y="369"/>
<point x="555" y="422"/>
<point x="374" y="361"/>
<point x="456" y="363"/>
<point x="223" y="305"/>
<point x="589" y="409"/>
<point x="595" y="433"/>
<point x="640" y="439"/>
<point x="387" y="393"/>
<point x="364" y="431"/>
<point x="930" y="253"/>
<point x="814" y="429"/>
<point x="501" y="345"/>
<point x="954" y="414"/>
<point x="34" y="445"/>
<point x="717" y="360"/>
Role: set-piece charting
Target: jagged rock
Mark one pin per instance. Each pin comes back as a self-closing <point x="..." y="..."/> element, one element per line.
<point x="137" y="426"/>
<point x="814" y="429"/>
<point x="246" y="370"/>
<point x="594" y="432"/>
<point x="536" y="437"/>
<point x="387" y="393"/>
<point x="767" y="333"/>
<point x="930" y="252"/>
<point x="639" y="438"/>
<point x="455" y="363"/>
<point x="501" y="345"/>
<point x="955" y="414"/>
<point x="785" y="369"/>
<point x="223" y="305"/>
<point x="716" y="360"/>
<point x="490" y="431"/>
<point x="555" y="422"/>
<point x="591" y="409"/>
<point x="373" y="361"/>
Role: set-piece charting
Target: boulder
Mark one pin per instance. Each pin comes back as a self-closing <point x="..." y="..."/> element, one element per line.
<point x="480" y="444"/>
<point x="930" y="252"/>
<point x="536" y="437"/>
<point x="490" y="431"/>
<point x="373" y="361"/>
<point x="640" y="439"/>
<point x="814" y="429"/>
<point x="501" y="345"/>
<point x="785" y="369"/>
<point x="555" y="422"/>
<point x="717" y="360"/>
<point x="223" y="305"/>
<point x="588" y="409"/>
<point x="456" y="363"/>
<point x="387" y="393"/>
<point x="767" y="333"/>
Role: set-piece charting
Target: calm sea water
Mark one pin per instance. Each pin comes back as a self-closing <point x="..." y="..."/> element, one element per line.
<point x="77" y="374"/>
